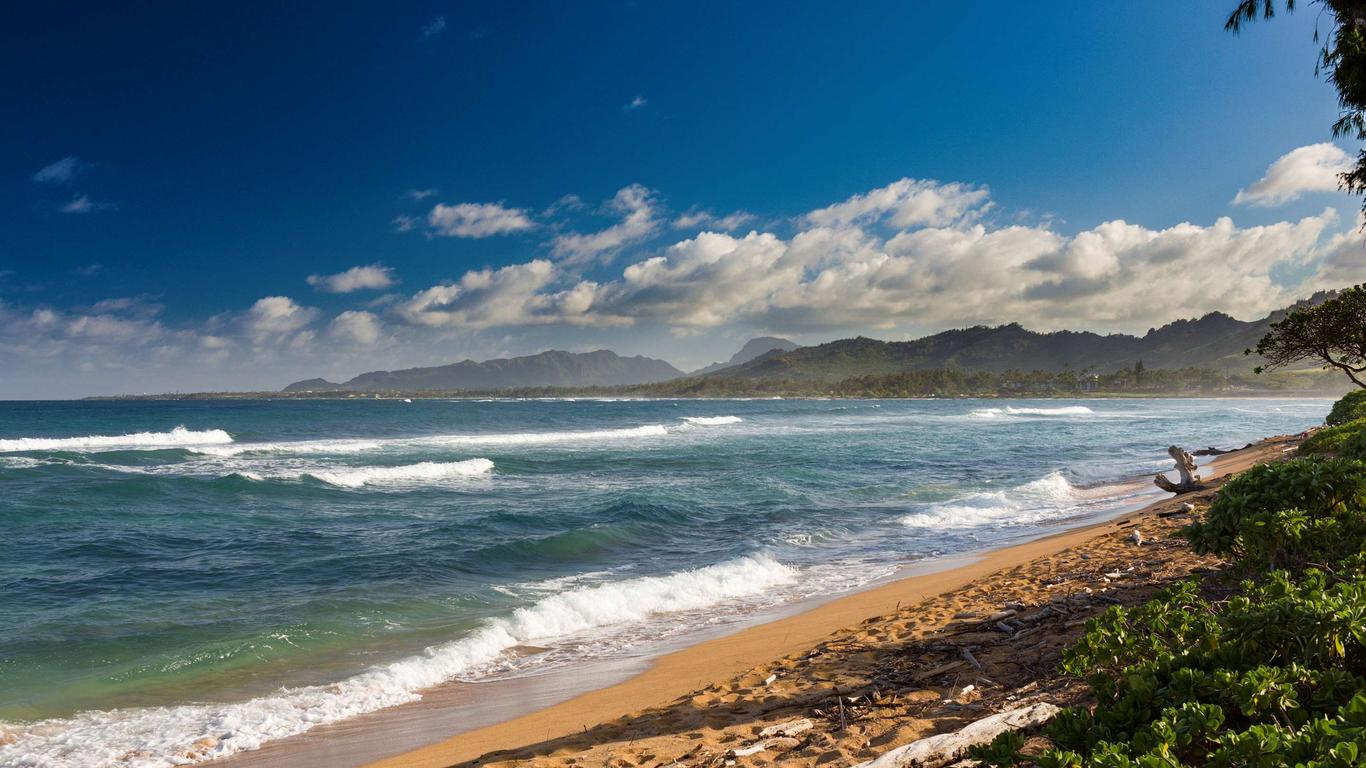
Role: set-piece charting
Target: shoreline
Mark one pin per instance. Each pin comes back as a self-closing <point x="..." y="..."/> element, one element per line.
<point x="473" y="719"/>
<point x="701" y="666"/>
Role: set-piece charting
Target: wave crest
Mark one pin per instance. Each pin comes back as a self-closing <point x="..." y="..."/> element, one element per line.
<point x="180" y="437"/>
<point x="712" y="421"/>
<point x="427" y="471"/>
<point x="434" y="441"/>
<point x="994" y="413"/>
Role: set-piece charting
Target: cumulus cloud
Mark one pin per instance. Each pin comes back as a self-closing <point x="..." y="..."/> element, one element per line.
<point x="636" y="103"/>
<point x="372" y="277"/>
<point x="60" y="172"/>
<point x="276" y="317"/>
<point x="419" y="194"/>
<point x="907" y="203"/>
<point x="1312" y="168"/>
<point x="519" y="294"/>
<point x="639" y="219"/>
<point x="477" y="220"/>
<point x="941" y="265"/>
<point x="355" y="327"/>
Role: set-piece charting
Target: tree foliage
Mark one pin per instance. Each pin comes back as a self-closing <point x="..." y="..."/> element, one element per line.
<point x="1333" y="333"/>
<point x="1342" y="59"/>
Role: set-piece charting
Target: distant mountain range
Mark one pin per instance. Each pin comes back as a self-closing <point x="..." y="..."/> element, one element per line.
<point x="1215" y="341"/>
<point x="548" y="369"/>
<point x="752" y="349"/>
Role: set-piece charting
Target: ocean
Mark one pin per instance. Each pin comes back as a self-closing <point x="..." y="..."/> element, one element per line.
<point x="185" y="578"/>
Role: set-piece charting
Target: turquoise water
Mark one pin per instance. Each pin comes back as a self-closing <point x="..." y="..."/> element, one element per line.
<point x="233" y="572"/>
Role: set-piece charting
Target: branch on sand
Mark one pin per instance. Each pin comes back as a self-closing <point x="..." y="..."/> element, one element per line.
<point x="1185" y="465"/>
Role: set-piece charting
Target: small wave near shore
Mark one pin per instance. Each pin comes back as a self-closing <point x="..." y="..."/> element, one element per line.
<point x="160" y="737"/>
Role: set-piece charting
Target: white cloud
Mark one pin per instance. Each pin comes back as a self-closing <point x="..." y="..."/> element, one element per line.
<point x="636" y="206"/>
<point x="434" y="27"/>
<point x="60" y="172"/>
<point x="519" y="294"/>
<point x="844" y="275"/>
<point x="636" y="103"/>
<point x="406" y="223"/>
<point x="419" y="194"/>
<point x="83" y="204"/>
<point x="910" y="202"/>
<point x="696" y="219"/>
<point x="355" y="327"/>
<point x="371" y="277"/>
<point x="276" y="317"/>
<point x="1312" y="168"/>
<point x="477" y="220"/>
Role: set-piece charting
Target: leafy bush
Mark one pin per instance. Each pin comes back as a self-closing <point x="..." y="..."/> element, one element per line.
<point x="1272" y="678"/>
<point x="1351" y="407"/>
<point x="1286" y="515"/>
<point x="1354" y="446"/>
<point x="1328" y="441"/>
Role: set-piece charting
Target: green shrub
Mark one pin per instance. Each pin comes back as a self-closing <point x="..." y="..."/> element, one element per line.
<point x="1287" y="514"/>
<point x="1271" y="678"/>
<point x="1351" y="407"/>
<point x="1354" y="446"/>
<point x="1329" y="440"/>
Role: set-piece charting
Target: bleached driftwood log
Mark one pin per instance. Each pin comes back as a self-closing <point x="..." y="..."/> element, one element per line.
<point x="1185" y="465"/>
<point x="940" y="750"/>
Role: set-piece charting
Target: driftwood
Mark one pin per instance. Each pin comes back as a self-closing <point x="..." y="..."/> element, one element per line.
<point x="1185" y="465"/>
<point x="937" y="751"/>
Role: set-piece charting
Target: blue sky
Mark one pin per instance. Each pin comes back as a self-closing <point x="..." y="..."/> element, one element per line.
<point x="651" y="178"/>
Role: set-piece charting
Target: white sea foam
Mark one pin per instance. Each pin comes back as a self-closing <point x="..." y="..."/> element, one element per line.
<point x="332" y="447"/>
<point x="993" y="413"/>
<point x="179" y="437"/>
<point x="166" y="736"/>
<point x="427" y="471"/>
<point x="1049" y="497"/>
<point x="712" y="421"/>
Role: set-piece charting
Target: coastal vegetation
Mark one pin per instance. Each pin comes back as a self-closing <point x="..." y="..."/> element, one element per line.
<point x="1332" y="333"/>
<point x="1268" y="672"/>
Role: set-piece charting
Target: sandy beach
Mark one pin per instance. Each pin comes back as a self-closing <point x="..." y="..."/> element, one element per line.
<point x="855" y="676"/>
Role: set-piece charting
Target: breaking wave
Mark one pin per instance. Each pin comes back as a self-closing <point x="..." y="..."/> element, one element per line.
<point x="179" y="437"/>
<point x="165" y="736"/>
<point x="1069" y="410"/>
<point x="712" y="421"/>
<point x="1049" y="497"/>
<point x="433" y="441"/>
<point x="427" y="471"/>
